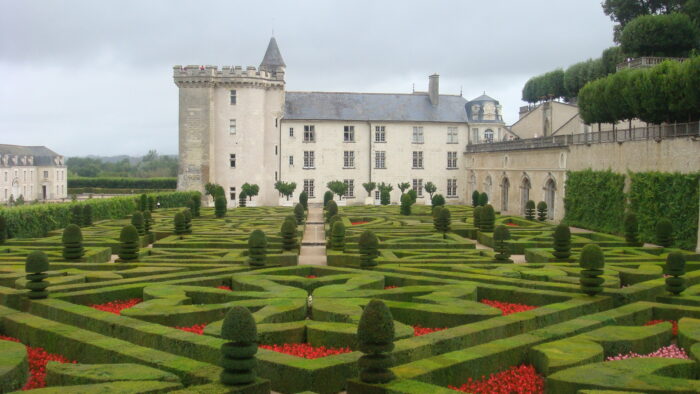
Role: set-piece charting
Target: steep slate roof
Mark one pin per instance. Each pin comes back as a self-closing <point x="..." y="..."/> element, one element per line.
<point x="42" y="155"/>
<point x="373" y="106"/>
<point x="484" y="97"/>
<point x="273" y="57"/>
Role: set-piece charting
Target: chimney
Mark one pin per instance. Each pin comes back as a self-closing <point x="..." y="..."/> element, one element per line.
<point x="434" y="89"/>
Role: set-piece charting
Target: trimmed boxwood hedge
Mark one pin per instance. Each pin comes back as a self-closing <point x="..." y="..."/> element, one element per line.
<point x="595" y="200"/>
<point x="123" y="183"/>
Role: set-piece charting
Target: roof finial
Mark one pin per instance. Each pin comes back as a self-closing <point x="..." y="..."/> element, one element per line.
<point x="460" y="91"/>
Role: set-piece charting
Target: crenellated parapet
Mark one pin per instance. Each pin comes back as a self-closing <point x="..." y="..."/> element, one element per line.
<point x="211" y="76"/>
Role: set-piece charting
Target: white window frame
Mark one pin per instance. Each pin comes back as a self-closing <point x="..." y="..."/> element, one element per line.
<point x="379" y="133"/>
<point x="309" y="133"/>
<point x="380" y="159"/>
<point x="418" y="187"/>
<point x="309" y="187"/>
<point x="309" y="159"/>
<point x="232" y="160"/>
<point x="232" y="193"/>
<point x="452" y="135"/>
<point x="451" y="160"/>
<point x="417" y="135"/>
<point x="232" y="126"/>
<point x="452" y="187"/>
<point x="348" y="133"/>
<point x="348" y="159"/>
<point x="417" y="159"/>
<point x="232" y="97"/>
<point x="351" y="187"/>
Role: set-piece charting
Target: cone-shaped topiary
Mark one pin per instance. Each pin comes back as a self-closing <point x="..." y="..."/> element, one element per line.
<point x="86" y="216"/>
<point x="179" y="222"/>
<point x="327" y="196"/>
<point x="338" y="236"/>
<point x="3" y="230"/>
<point x="500" y="237"/>
<point x="592" y="262"/>
<point x="196" y="205"/>
<point x="299" y="213"/>
<point x="129" y="243"/>
<point x="475" y="198"/>
<point x="632" y="229"/>
<point x="406" y="202"/>
<point x="487" y="220"/>
<point x="375" y="336"/>
<point x="483" y="199"/>
<point x="289" y="234"/>
<point x="220" y="206"/>
<point x="36" y="265"/>
<point x="478" y="211"/>
<point x="76" y="215"/>
<point x="257" y="248"/>
<point x="72" y="243"/>
<point x="675" y="268"/>
<point x="664" y="233"/>
<point x="304" y="200"/>
<point x="238" y="355"/>
<point x="188" y="220"/>
<point x="562" y="242"/>
<point x="143" y="202"/>
<point x="541" y="211"/>
<point x="331" y="210"/>
<point x="137" y="221"/>
<point x="369" y="249"/>
<point x="147" y="221"/>
<point x="442" y="220"/>
<point x="530" y="210"/>
<point x="151" y="203"/>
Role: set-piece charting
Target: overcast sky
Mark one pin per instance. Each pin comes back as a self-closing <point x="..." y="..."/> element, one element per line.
<point x="95" y="77"/>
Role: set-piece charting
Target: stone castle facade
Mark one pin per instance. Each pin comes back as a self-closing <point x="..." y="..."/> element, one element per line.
<point x="32" y="172"/>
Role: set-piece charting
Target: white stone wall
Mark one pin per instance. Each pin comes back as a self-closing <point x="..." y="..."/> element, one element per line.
<point x="28" y="181"/>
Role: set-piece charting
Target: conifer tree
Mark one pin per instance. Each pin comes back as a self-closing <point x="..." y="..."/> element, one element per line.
<point x="562" y="242"/>
<point x="369" y="249"/>
<point x="196" y="205"/>
<point x="289" y="234"/>
<point x="238" y="355"/>
<point x="220" y="206"/>
<point x="501" y="235"/>
<point x="406" y="202"/>
<point x="632" y="229"/>
<point x="487" y="219"/>
<point x="675" y="269"/>
<point x="76" y="215"/>
<point x="442" y="220"/>
<point x="147" y="221"/>
<point x="3" y="230"/>
<point x="478" y="211"/>
<point x="338" y="236"/>
<point x="530" y="210"/>
<point x="86" y="215"/>
<point x="331" y="210"/>
<point x="375" y="336"/>
<point x="179" y="223"/>
<point x="592" y="262"/>
<point x="541" y="211"/>
<point x="188" y="220"/>
<point x="483" y="199"/>
<point x="257" y="248"/>
<point x="299" y="213"/>
<point x="137" y="221"/>
<point x="72" y="243"/>
<point x="304" y="200"/>
<point x="475" y="198"/>
<point x="664" y="233"/>
<point x="129" y="243"/>
<point x="36" y="266"/>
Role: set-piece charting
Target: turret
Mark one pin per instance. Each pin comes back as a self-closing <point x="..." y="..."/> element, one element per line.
<point x="272" y="61"/>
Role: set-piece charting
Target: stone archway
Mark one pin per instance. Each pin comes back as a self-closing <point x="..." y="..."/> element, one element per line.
<point x="505" y="191"/>
<point x="525" y="187"/>
<point x="550" y="189"/>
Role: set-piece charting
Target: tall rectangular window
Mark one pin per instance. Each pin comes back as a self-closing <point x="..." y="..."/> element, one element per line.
<point x="475" y="135"/>
<point x="351" y="187"/>
<point x="348" y="159"/>
<point x="451" y="188"/>
<point x="232" y="126"/>
<point x="46" y="175"/>
<point x="417" y="159"/>
<point x="348" y="133"/>
<point x="233" y="97"/>
<point x="309" y="187"/>
<point x="291" y="160"/>
<point x="418" y="187"/>
<point x="291" y="131"/>
<point x="232" y="160"/>
<point x="380" y="159"/>
<point x="379" y="133"/>
<point x="417" y="134"/>
<point x="232" y="193"/>
<point x="451" y="160"/>
<point x="309" y="161"/>
<point x="309" y="133"/>
<point x="452" y="135"/>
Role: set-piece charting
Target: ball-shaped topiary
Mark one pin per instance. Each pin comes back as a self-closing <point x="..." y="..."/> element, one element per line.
<point x="257" y="248"/>
<point x="338" y="236"/>
<point x="196" y="205"/>
<point x="299" y="213"/>
<point x="35" y="266"/>
<point x="530" y="210"/>
<point x="72" y="243"/>
<point x="179" y="223"/>
<point x="475" y="198"/>
<point x="137" y="221"/>
<point x="562" y="242"/>
<point x="478" y="211"/>
<point x="331" y="210"/>
<point x="129" y="243"/>
<point x="375" y="337"/>
<point x="664" y="233"/>
<point x="3" y="230"/>
<point x="675" y="268"/>
<point x="632" y="229"/>
<point x="437" y="201"/>
<point x="289" y="234"/>
<point x="369" y="249"/>
<point x="147" y="221"/>
<point x="220" y="206"/>
<point x="86" y="216"/>
<point x="483" y="199"/>
<point x="406" y="202"/>
<point x="501" y="235"/>
<point x="592" y="262"/>
<point x="487" y="220"/>
<point x="188" y="220"/>
<point x="327" y="196"/>
<point x="442" y="220"/>
<point x="304" y="200"/>
<point x="238" y="355"/>
<point x="541" y="211"/>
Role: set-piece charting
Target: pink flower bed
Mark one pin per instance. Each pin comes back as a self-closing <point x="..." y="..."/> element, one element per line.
<point x="670" y="351"/>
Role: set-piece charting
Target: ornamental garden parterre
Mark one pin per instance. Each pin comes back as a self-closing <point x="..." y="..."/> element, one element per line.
<point x="192" y="299"/>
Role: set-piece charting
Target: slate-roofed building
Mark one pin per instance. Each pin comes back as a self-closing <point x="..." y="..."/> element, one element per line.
<point x="32" y="172"/>
<point x="241" y="126"/>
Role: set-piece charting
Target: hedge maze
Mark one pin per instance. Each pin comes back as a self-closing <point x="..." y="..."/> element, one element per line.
<point x="178" y="318"/>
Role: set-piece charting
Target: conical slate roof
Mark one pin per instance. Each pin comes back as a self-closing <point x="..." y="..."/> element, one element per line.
<point x="273" y="57"/>
<point x="484" y="97"/>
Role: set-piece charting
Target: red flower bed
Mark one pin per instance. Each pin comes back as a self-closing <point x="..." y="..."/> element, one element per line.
<point x="38" y="358"/>
<point x="418" y="330"/>
<point x="305" y="350"/>
<point x="390" y="287"/>
<point x="520" y="379"/>
<point x="508" y="308"/>
<point x="224" y="288"/>
<point x="512" y="224"/>
<point x="311" y="276"/>
<point x="118" y="306"/>
<point x="357" y="223"/>
<point x="196" y="329"/>
<point x="673" y="322"/>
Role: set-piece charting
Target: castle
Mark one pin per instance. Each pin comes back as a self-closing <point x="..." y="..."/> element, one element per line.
<point x="31" y="172"/>
<point x="241" y="126"/>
